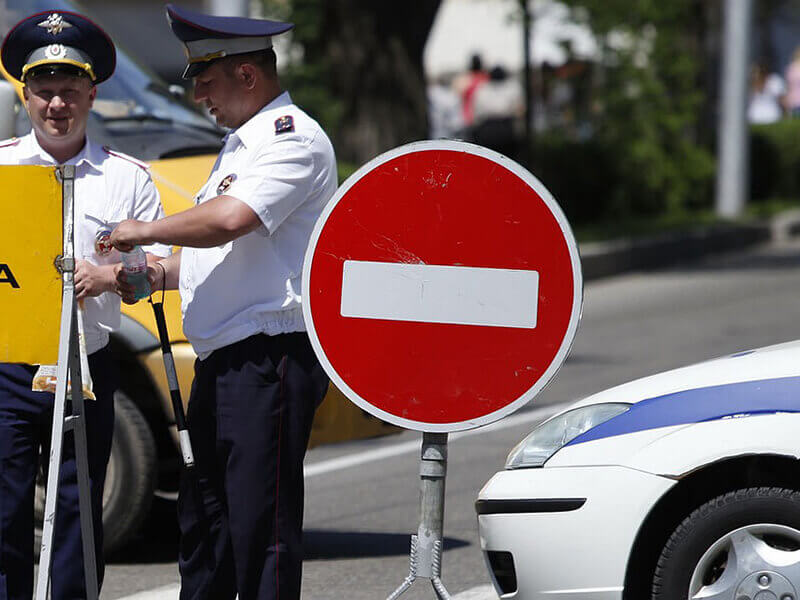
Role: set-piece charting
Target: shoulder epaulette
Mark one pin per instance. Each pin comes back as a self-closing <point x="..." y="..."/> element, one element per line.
<point x="9" y="142"/>
<point x="138" y="163"/>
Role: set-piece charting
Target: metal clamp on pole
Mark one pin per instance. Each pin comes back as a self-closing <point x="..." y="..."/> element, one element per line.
<point x="426" y="546"/>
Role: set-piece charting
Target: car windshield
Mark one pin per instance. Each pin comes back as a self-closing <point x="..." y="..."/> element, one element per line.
<point x="134" y="110"/>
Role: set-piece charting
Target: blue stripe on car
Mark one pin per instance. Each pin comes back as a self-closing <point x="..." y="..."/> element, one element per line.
<point x="765" y="396"/>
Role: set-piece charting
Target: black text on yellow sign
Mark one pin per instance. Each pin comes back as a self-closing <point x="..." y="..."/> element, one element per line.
<point x="6" y="276"/>
<point x="31" y="233"/>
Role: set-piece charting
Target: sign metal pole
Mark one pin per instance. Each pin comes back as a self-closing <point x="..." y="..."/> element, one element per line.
<point x="68" y="367"/>
<point x="426" y="546"/>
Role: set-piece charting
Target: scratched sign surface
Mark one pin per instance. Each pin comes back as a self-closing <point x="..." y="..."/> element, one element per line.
<point x="442" y="286"/>
<point x="31" y="236"/>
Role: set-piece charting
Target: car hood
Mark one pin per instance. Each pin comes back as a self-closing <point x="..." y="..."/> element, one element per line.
<point x="761" y="381"/>
<point x="770" y="362"/>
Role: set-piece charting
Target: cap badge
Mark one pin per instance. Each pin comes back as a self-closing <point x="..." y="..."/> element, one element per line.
<point x="225" y="183"/>
<point x="284" y="124"/>
<point x="102" y="242"/>
<point x="55" y="51"/>
<point x="55" y="24"/>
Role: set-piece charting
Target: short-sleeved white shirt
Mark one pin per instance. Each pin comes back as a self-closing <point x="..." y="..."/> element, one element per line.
<point x="282" y="165"/>
<point x="109" y="187"/>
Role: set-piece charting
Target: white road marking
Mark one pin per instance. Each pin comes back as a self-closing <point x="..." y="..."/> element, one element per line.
<point x="170" y="592"/>
<point x="354" y="460"/>
<point x="440" y="294"/>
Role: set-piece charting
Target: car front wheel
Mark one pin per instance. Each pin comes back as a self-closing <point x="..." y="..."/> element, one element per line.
<point x="742" y="544"/>
<point x="130" y="478"/>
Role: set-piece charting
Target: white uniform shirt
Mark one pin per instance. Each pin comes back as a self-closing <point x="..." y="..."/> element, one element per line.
<point x="281" y="164"/>
<point x="109" y="187"/>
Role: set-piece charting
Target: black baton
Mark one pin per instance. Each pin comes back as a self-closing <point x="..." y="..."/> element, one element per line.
<point x="174" y="390"/>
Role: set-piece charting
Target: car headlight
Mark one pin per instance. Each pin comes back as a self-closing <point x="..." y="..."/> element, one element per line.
<point x="555" y="433"/>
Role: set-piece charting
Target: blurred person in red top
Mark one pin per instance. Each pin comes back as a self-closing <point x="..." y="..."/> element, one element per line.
<point x="468" y="84"/>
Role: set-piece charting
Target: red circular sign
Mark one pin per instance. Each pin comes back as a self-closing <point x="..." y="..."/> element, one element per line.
<point x="442" y="286"/>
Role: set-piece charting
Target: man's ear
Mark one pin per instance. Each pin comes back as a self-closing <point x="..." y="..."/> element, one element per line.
<point x="92" y="95"/>
<point x="25" y="92"/>
<point x="247" y="74"/>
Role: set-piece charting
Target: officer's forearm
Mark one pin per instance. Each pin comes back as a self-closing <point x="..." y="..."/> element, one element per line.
<point x="212" y="223"/>
<point x="172" y="269"/>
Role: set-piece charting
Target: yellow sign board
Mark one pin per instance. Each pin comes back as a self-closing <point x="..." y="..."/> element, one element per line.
<point x="31" y="234"/>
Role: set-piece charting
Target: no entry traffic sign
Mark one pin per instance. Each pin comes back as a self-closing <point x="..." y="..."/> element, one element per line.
<point x="442" y="286"/>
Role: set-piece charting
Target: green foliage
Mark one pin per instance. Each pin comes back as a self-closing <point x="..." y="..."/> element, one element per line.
<point x="647" y="102"/>
<point x="308" y="81"/>
<point x="775" y="160"/>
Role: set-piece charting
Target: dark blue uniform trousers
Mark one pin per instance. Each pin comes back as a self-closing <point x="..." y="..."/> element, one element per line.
<point x="249" y="419"/>
<point x="26" y="419"/>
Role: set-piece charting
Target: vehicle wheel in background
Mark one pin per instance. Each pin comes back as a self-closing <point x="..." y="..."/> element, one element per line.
<point x="736" y="545"/>
<point x="130" y="478"/>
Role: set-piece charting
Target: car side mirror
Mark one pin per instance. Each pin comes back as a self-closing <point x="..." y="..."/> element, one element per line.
<point x="8" y="106"/>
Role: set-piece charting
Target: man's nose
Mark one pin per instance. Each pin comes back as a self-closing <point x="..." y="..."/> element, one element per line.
<point x="57" y="102"/>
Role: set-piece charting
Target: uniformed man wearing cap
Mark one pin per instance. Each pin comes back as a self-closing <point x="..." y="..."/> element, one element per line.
<point x="60" y="57"/>
<point x="257" y="381"/>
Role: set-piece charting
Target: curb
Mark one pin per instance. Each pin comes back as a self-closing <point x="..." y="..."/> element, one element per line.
<point x="602" y="259"/>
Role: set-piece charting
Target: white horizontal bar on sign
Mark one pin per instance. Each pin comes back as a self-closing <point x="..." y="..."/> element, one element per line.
<point x="440" y="294"/>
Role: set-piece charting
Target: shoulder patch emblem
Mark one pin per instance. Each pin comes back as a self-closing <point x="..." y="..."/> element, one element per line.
<point x="130" y="159"/>
<point x="284" y="124"/>
<point x="225" y="183"/>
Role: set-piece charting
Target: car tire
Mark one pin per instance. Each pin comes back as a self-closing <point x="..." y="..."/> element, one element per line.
<point x="130" y="478"/>
<point x="736" y="545"/>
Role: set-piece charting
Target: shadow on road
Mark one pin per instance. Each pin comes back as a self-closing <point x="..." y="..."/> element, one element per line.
<point x="358" y="544"/>
<point x="157" y="541"/>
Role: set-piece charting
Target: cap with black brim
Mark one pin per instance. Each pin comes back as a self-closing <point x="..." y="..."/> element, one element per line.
<point x="207" y="38"/>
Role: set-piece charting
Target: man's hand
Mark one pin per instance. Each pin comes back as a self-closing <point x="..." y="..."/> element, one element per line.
<point x="155" y="275"/>
<point x="91" y="280"/>
<point x="130" y="233"/>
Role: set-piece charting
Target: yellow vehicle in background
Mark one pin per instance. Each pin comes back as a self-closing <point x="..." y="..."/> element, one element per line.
<point x="139" y="115"/>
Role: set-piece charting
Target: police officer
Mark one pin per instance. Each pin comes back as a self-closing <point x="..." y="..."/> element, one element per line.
<point x="257" y="381"/>
<point x="60" y="57"/>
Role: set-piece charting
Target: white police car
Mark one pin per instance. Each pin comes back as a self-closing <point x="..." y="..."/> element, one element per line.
<point x="679" y="485"/>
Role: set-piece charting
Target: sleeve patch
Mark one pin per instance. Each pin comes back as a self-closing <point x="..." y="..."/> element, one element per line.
<point x="284" y="124"/>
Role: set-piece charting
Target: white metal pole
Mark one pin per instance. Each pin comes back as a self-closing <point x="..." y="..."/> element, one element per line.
<point x="733" y="181"/>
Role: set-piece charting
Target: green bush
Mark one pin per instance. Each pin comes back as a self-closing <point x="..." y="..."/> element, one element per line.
<point x="775" y="160"/>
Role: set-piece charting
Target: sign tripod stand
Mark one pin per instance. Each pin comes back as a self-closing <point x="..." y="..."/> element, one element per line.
<point x="68" y="376"/>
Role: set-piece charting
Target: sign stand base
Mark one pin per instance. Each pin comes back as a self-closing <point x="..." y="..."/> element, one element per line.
<point x="426" y="546"/>
<point x="69" y="367"/>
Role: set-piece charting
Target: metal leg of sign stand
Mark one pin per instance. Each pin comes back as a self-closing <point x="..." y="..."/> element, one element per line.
<point x="68" y="367"/>
<point x="426" y="546"/>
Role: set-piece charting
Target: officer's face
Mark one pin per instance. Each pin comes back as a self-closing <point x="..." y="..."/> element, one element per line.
<point x="222" y="93"/>
<point x="59" y="106"/>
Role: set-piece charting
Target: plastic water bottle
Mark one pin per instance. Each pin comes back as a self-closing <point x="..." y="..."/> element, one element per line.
<point x="134" y="263"/>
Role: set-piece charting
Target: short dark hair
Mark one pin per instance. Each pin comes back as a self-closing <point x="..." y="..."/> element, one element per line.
<point x="263" y="59"/>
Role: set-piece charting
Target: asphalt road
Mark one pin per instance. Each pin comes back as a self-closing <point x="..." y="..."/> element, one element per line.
<point x="361" y="509"/>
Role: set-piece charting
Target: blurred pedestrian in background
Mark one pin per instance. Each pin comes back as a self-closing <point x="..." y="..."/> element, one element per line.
<point x="469" y="83"/>
<point x="766" y="92"/>
<point x="498" y="108"/>
<point x="792" y="98"/>
<point x="444" y="110"/>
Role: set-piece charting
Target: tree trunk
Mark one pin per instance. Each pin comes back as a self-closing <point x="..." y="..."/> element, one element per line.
<point x="373" y="51"/>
